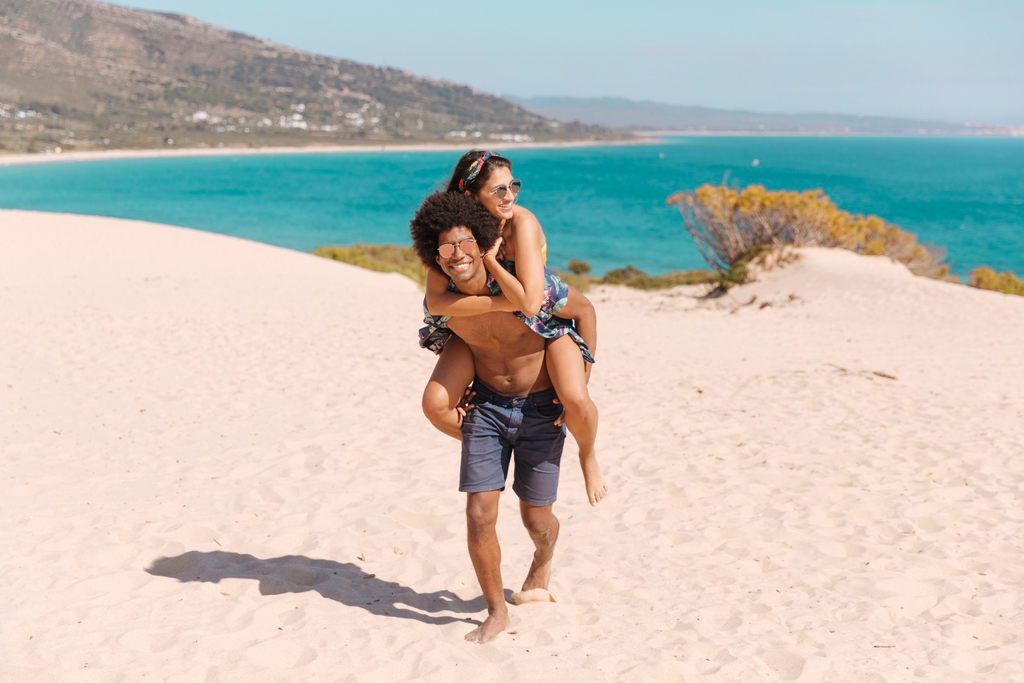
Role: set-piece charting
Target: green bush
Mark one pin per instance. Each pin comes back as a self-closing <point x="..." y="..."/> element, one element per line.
<point x="383" y="258"/>
<point x="638" y="279"/>
<point x="579" y="267"/>
<point x="623" y="276"/>
<point x="580" y="282"/>
<point x="1007" y="283"/>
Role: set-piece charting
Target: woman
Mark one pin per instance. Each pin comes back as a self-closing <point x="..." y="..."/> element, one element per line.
<point x="517" y="264"/>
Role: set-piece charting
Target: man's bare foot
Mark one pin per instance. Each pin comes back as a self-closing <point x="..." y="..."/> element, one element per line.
<point x="493" y="625"/>
<point x="592" y="477"/>
<point x="532" y="595"/>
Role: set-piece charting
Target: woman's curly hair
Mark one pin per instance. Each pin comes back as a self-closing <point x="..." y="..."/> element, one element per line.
<point x="443" y="211"/>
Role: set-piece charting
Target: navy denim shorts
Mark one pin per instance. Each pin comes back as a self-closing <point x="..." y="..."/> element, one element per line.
<point x="500" y="426"/>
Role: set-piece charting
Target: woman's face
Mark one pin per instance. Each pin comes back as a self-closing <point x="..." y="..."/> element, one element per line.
<point x="499" y="208"/>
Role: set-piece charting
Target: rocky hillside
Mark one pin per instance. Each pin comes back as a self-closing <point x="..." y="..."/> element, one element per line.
<point x="86" y="74"/>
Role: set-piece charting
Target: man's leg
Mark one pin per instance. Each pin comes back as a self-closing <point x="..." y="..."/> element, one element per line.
<point x="538" y="454"/>
<point x="484" y="551"/>
<point x="542" y="525"/>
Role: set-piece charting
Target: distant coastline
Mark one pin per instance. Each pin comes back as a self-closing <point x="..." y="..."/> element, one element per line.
<point x="633" y="138"/>
<point x="104" y="155"/>
<point x="811" y="134"/>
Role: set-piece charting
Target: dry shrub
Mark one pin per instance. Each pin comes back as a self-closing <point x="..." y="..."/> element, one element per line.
<point x="579" y="267"/>
<point x="383" y="258"/>
<point x="1007" y="283"/>
<point x="638" y="279"/>
<point x="726" y="224"/>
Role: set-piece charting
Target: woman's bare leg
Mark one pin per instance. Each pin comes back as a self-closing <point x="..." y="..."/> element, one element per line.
<point x="567" y="370"/>
<point x="448" y="382"/>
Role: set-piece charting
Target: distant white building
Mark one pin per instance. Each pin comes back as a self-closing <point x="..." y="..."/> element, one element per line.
<point x="511" y="137"/>
<point x="294" y="121"/>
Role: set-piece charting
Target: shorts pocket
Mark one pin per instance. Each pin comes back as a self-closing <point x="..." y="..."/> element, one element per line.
<point x="548" y="410"/>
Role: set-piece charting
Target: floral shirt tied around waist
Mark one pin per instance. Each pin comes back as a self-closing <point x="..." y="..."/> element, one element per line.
<point x="546" y="323"/>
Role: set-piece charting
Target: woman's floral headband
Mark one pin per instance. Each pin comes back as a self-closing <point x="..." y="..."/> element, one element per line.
<point x="473" y="171"/>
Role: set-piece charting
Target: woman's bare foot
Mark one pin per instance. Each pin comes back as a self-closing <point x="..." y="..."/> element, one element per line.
<point x="493" y="625"/>
<point x="592" y="477"/>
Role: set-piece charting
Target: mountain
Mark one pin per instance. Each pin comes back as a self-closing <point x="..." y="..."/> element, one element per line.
<point x="87" y="74"/>
<point x="645" y="115"/>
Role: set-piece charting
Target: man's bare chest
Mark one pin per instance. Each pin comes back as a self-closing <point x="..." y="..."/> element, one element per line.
<point x="493" y="329"/>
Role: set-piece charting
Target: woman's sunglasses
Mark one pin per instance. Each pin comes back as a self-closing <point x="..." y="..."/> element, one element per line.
<point x="501" y="190"/>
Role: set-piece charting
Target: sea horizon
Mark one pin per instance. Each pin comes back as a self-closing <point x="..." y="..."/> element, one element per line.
<point x="603" y="203"/>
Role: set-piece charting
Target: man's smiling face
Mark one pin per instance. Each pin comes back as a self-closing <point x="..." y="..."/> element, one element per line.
<point x="464" y="262"/>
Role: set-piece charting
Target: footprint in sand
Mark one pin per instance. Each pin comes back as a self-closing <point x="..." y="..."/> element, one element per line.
<point x="316" y="455"/>
<point x="784" y="664"/>
<point x="269" y="495"/>
<point x="276" y="654"/>
<point x="146" y="641"/>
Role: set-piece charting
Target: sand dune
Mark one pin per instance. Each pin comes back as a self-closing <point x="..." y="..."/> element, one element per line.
<point x="215" y="469"/>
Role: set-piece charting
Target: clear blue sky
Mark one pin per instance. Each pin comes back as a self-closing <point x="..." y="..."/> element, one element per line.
<point x="957" y="60"/>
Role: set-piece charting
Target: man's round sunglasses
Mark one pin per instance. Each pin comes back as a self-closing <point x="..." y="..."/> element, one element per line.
<point x="501" y="190"/>
<point x="447" y="249"/>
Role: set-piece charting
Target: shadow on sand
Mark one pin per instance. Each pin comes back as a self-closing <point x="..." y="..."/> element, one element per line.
<point x="340" y="581"/>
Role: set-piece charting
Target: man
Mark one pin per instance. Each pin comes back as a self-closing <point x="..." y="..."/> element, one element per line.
<point x="515" y="407"/>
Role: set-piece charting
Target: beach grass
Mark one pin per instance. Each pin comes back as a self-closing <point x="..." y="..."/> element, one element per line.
<point x="383" y="258"/>
<point x="392" y="258"/>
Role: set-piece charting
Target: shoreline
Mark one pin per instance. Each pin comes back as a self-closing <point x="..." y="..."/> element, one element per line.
<point x="639" y="138"/>
<point x="117" y="154"/>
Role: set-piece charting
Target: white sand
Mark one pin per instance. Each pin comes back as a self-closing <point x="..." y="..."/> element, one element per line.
<point x="828" y="488"/>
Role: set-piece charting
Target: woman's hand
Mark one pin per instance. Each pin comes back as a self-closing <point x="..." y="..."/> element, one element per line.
<point x="466" y="403"/>
<point x="494" y="253"/>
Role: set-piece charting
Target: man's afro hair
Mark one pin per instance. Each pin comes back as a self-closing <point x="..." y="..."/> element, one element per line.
<point x="443" y="211"/>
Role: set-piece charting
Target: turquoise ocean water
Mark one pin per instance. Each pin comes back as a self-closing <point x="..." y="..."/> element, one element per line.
<point x="605" y="205"/>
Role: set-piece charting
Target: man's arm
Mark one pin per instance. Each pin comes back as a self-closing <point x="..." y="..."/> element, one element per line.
<point x="442" y="302"/>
